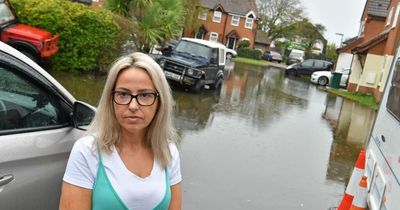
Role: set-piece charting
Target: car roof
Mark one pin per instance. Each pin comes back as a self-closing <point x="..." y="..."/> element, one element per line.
<point x="15" y="53"/>
<point x="205" y="42"/>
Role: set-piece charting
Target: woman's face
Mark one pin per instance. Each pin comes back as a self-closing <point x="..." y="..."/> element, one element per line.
<point x="133" y="117"/>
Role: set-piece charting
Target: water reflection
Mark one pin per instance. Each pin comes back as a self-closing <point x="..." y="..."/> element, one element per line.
<point x="351" y="124"/>
<point x="261" y="131"/>
<point x="84" y="87"/>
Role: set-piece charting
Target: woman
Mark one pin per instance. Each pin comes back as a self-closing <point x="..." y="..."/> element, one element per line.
<point x="129" y="160"/>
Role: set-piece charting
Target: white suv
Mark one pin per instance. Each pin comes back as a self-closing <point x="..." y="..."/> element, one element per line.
<point x="39" y="123"/>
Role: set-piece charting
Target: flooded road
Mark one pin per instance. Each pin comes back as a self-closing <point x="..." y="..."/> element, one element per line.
<point x="264" y="142"/>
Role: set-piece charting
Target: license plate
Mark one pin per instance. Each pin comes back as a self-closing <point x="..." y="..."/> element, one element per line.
<point x="173" y="76"/>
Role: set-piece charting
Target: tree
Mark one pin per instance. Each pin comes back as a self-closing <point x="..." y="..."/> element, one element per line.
<point x="330" y="52"/>
<point x="277" y="15"/>
<point x="157" y="20"/>
<point x="308" y="33"/>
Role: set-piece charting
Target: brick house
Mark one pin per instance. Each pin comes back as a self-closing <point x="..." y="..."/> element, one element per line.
<point x="375" y="47"/>
<point x="226" y="21"/>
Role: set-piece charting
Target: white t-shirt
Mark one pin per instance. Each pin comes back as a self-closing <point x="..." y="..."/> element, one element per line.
<point x="135" y="192"/>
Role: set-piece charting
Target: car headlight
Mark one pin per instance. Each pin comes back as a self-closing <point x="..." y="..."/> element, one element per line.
<point x="162" y="63"/>
<point x="190" y="72"/>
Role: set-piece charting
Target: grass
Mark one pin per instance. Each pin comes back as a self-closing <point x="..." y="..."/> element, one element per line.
<point x="251" y="61"/>
<point x="363" y="99"/>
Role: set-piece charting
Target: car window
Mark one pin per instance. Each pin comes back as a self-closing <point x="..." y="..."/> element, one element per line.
<point x="319" y="64"/>
<point x="25" y="105"/>
<point x="308" y="63"/>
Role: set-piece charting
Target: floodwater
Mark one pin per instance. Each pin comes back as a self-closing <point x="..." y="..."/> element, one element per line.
<point x="265" y="141"/>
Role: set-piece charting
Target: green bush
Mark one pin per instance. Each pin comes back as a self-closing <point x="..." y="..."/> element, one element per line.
<point x="244" y="43"/>
<point x="87" y="35"/>
<point x="249" y="53"/>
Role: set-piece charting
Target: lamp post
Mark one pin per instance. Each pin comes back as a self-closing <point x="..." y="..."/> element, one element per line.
<point x="341" y="39"/>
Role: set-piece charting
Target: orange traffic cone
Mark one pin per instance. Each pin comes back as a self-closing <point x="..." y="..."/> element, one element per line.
<point x="352" y="186"/>
<point x="360" y="199"/>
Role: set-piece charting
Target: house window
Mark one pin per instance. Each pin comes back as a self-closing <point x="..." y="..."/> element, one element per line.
<point x="214" y="37"/>
<point x="389" y="17"/>
<point x="249" y="23"/>
<point x="362" y="27"/>
<point x="235" y="20"/>
<point x="396" y="16"/>
<point x="217" y="16"/>
<point x="202" y="15"/>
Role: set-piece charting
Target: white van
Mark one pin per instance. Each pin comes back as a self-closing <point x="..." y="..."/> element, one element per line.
<point x="295" y="56"/>
<point x="383" y="152"/>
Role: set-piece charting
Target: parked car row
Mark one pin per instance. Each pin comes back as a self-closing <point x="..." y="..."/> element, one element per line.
<point x="271" y="56"/>
<point x="324" y="77"/>
<point x="308" y="67"/>
<point x="320" y="71"/>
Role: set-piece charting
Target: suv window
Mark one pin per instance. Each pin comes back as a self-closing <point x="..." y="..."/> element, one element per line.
<point x="5" y="14"/>
<point x="193" y="49"/>
<point x="319" y="64"/>
<point x="25" y="105"/>
<point x="308" y="63"/>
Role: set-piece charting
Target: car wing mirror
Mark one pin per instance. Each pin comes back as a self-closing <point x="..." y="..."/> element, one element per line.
<point x="82" y="115"/>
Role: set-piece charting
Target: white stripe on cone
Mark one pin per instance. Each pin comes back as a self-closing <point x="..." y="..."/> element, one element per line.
<point x="354" y="181"/>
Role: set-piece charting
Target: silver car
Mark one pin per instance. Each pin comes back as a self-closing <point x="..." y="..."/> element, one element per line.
<point x="39" y="123"/>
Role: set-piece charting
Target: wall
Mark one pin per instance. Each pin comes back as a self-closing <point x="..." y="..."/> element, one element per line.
<point x="371" y="73"/>
<point x="344" y="61"/>
<point x="356" y="70"/>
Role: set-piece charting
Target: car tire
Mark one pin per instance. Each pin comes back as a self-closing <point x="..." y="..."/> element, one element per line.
<point x="291" y="72"/>
<point x="29" y="55"/>
<point x="217" y="84"/>
<point x="198" y="87"/>
<point x="323" y="81"/>
<point x="229" y="57"/>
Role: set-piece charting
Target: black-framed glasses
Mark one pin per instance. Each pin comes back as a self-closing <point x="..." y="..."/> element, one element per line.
<point x="143" y="99"/>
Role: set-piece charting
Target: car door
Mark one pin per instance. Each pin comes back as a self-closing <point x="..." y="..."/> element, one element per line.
<point x="36" y="137"/>
<point x="306" y="67"/>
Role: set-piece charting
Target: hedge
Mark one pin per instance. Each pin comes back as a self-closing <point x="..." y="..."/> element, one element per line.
<point x="88" y="37"/>
<point x="249" y="53"/>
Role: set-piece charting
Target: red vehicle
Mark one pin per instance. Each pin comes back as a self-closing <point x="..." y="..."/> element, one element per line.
<point x="35" y="43"/>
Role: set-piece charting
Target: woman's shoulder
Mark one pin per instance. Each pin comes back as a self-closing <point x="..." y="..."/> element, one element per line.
<point x="173" y="149"/>
<point x="85" y="144"/>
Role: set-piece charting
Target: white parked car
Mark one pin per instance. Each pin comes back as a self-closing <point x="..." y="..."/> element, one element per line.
<point x="324" y="77"/>
<point x="39" y="123"/>
<point x="230" y="53"/>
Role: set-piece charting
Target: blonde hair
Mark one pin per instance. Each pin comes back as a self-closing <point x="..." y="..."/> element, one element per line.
<point x="160" y="131"/>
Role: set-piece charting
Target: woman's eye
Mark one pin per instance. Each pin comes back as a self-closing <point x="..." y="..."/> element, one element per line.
<point x="122" y="94"/>
<point x="146" y="95"/>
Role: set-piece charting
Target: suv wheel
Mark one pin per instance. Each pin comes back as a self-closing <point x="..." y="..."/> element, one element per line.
<point x="323" y="81"/>
<point x="217" y="84"/>
<point x="292" y="72"/>
<point x="198" y="87"/>
<point x="229" y="56"/>
<point x="29" y="55"/>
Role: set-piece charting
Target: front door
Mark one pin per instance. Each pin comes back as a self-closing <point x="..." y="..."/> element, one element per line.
<point x="231" y="43"/>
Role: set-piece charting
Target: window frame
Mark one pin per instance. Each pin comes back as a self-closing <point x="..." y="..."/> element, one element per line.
<point x="211" y="35"/>
<point x="216" y="16"/>
<point x="238" y="20"/>
<point x="396" y="16"/>
<point x="389" y="17"/>
<point x="24" y="71"/>
<point x="202" y="15"/>
<point x="247" y="24"/>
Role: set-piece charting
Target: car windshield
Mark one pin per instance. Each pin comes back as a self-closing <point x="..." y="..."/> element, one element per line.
<point x="193" y="49"/>
<point x="5" y="14"/>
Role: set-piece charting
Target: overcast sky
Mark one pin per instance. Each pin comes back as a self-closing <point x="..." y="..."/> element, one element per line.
<point x="338" y="16"/>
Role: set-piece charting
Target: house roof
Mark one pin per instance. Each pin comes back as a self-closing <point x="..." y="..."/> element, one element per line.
<point x="378" y="8"/>
<point x="262" y="37"/>
<point x="350" y="43"/>
<point x="240" y="7"/>
<point x="372" y="42"/>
